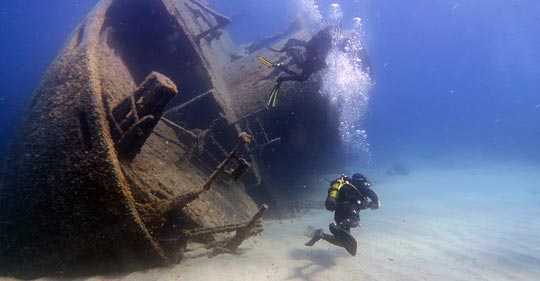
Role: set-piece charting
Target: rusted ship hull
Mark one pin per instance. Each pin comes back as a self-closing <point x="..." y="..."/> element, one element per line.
<point x="79" y="189"/>
<point x="112" y="164"/>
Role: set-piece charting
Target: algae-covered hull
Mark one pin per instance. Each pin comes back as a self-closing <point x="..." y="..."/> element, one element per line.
<point x="92" y="169"/>
<point x="128" y="125"/>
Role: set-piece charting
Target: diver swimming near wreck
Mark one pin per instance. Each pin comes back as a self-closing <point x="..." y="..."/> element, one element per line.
<point x="309" y="57"/>
<point x="346" y="198"/>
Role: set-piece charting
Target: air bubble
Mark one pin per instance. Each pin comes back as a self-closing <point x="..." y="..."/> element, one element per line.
<point x="347" y="87"/>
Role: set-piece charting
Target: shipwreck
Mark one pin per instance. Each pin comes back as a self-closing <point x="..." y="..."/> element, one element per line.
<point x="147" y="131"/>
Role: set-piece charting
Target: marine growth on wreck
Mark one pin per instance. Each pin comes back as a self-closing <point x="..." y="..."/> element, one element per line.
<point x="149" y="130"/>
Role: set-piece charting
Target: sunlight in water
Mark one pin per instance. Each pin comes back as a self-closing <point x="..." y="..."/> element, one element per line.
<point x="347" y="86"/>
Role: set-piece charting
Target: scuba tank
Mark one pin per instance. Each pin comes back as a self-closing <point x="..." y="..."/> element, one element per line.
<point x="334" y="193"/>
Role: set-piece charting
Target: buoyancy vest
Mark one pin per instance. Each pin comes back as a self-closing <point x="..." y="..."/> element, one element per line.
<point x="337" y="185"/>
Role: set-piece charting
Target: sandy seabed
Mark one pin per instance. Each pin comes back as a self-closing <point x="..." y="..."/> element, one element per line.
<point x="475" y="223"/>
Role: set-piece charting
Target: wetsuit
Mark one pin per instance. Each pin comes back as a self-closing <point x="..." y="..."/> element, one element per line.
<point x="312" y="61"/>
<point x="309" y="57"/>
<point x="350" y="200"/>
<point x="346" y="198"/>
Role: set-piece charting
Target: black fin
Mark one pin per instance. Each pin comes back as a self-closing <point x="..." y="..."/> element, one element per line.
<point x="344" y="238"/>
<point x="317" y="235"/>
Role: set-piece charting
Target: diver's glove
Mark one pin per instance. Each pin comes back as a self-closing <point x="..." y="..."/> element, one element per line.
<point x="375" y="205"/>
<point x="330" y="203"/>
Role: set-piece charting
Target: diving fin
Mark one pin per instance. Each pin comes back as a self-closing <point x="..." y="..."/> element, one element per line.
<point x="310" y="231"/>
<point x="317" y="235"/>
<point x="345" y="239"/>
<point x="266" y="62"/>
<point x="272" y="101"/>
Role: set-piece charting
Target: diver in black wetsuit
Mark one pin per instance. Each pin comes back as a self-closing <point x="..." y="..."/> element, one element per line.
<point x="346" y="197"/>
<point x="309" y="57"/>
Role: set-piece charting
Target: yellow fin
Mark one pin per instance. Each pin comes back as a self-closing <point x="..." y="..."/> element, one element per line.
<point x="266" y="62"/>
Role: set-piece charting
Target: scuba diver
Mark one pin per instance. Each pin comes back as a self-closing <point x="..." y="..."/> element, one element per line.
<point x="309" y="57"/>
<point x="346" y="197"/>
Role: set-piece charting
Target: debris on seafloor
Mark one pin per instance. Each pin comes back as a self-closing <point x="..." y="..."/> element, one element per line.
<point x="253" y="227"/>
<point x="243" y="230"/>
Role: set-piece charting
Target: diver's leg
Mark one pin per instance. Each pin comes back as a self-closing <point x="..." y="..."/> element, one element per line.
<point x="332" y="239"/>
<point x="352" y="221"/>
<point x="272" y="100"/>
<point x="341" y="238"/>
<point x="346" y="216"/>
<point x="344" y="239"/>
<point x="341" y="213"/>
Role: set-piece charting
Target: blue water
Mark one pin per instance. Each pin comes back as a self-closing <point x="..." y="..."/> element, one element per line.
<point x="453" y="78"/>
<point x="461" y="78"/>
<point x="32" y="33"/>
<point x="455" y="82"/>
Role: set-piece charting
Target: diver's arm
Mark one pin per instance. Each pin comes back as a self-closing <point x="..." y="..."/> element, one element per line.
<point x="371" y="195"/>
<point x="286" y="69"/>
<point x="294" y="43"/>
